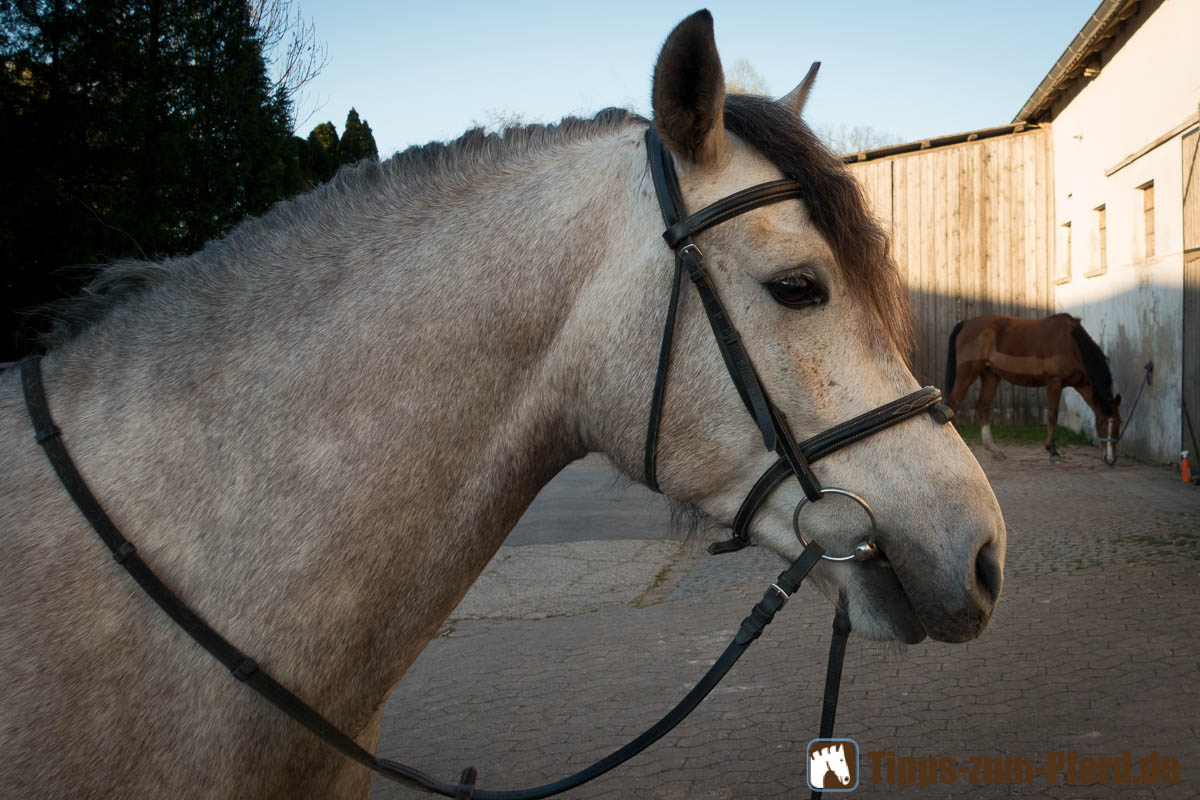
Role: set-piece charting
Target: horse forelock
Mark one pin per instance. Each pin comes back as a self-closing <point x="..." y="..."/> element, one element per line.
<point x="420" y="174"/>
<point x="836" y="205"/>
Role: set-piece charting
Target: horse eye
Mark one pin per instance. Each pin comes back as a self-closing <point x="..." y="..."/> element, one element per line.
<point x="796" y="291"/>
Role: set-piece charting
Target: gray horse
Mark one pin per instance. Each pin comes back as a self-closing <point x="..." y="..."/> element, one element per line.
<point x="319" y="429"/>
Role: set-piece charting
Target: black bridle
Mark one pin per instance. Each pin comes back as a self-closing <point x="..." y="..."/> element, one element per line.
<point x="776" y="436"/>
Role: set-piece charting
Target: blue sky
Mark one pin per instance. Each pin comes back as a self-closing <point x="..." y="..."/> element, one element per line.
<point x="424" y="71"/>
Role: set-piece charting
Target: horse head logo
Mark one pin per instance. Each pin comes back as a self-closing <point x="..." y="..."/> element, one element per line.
<point x="832" y="764"/>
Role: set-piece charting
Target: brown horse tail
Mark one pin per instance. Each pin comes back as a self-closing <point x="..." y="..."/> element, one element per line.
<point x="952" y="358"/>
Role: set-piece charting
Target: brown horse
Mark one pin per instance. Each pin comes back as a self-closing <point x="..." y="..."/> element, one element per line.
<point x="1053" y="352"/>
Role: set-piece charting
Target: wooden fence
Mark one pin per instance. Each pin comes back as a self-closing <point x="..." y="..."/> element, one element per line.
<point x="972" y="230"/>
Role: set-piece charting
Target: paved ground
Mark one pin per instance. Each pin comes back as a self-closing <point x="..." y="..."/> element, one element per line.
<point x="565" y="650"/>
<point x="591" y="500"/>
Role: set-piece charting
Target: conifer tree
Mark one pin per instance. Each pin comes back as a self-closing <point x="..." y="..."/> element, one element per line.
<point x="145" y="127"/>
<point x="324" y="151"/>
<point x="358" y="142"/>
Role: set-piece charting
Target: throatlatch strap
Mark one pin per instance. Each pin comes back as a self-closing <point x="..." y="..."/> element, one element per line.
<point x="660" y="380"/>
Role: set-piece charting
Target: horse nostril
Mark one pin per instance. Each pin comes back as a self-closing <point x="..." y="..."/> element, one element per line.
<point x="989" y="575"/>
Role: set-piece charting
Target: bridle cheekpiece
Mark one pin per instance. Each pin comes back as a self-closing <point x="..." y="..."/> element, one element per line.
<point x="771" y="422"/>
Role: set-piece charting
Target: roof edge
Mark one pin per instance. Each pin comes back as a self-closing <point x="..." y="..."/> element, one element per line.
<point x="1080" y="48"/>
<point x="937" y="141"/>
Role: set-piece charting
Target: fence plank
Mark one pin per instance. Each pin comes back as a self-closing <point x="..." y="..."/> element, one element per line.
<point x="972" y="233"/>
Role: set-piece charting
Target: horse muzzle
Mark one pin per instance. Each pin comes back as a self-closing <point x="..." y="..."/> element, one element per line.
<point x="1109" y="444"/>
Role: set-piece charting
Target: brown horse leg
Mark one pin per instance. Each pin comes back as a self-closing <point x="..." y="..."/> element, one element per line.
<point x="1053" y="393"/>
<point x="987" y="391"/>
<point x="967" y="372"/>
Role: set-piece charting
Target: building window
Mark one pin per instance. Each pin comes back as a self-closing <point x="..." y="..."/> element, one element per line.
<point x="1147" y="219"/>
<point x="1064" y="261"/>
<point x="1099" y="253"/>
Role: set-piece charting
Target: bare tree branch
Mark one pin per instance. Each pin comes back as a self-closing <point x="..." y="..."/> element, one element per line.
<point x="290" y="46"/>
<point x="743" y="78"/>
<point x="842" y="139"/>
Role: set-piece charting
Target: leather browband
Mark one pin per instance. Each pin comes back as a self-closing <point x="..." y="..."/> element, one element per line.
<point x="729" y="207"/>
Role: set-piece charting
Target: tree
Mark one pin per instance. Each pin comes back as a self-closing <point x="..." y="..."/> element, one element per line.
<point x="293" y="53"/>
<point x="323" y="154"/>
<point x="843" y="139"/>
<point x="145" y="128"/>
<point x="357" y="140"/>
<point x="743" y="78"/>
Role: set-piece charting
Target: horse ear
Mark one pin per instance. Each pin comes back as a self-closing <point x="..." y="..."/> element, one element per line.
<point x="795" y="99"/>
<point x="689" y="92"/>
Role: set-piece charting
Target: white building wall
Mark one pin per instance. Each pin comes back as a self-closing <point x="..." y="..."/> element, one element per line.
<point x="1148" y="85"/>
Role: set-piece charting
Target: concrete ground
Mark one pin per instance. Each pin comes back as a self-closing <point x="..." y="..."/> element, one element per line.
<point x="564" y="650"/>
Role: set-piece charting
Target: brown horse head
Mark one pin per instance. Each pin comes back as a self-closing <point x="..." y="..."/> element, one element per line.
<point x="1099" y="392"/>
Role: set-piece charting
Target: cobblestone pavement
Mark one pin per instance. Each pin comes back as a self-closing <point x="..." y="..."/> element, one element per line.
<point x="1095" y="648"/>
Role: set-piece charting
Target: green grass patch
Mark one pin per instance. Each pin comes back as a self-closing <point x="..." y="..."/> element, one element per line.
<point x="1172" y="537"/>
<point x="1021" y="434"/>
<point x="1180" y="541"/>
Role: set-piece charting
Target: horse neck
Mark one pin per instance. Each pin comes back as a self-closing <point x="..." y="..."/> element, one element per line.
<point x="345" y="438"/>
<point x="1089" y="396"/>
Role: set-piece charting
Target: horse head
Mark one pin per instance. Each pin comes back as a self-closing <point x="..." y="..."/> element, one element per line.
<point x="823" y="315"/>
<point x="829" y="759"/>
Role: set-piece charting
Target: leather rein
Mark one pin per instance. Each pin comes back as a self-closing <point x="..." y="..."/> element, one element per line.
<point x="794" y="460"/>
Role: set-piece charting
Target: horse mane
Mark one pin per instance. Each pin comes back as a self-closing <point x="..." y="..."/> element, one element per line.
<point x="417" y="172"/>
<point x="836" y="205"/>
<point x="832" y="196"/>
<point x="1095" y="364"/>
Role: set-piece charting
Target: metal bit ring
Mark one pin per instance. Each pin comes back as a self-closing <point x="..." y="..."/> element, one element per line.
<point x="864" y="550"/>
